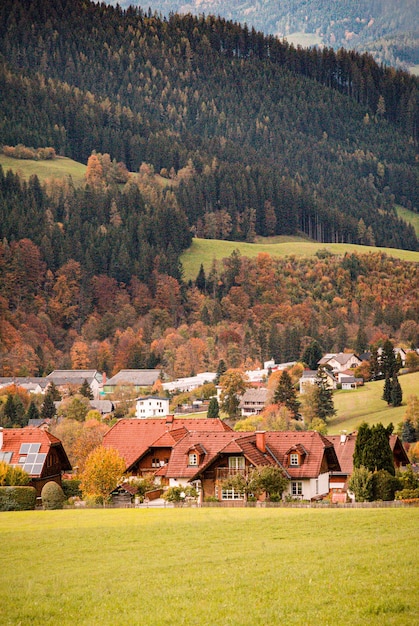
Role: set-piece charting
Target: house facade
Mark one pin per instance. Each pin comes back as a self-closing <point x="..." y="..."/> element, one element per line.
<point x="139" y="379"/>
<point x="151" y="406"/>
<point x="68" y="381"/>
<point x="311" y="377"/>
<point x="340" y="362"/>
<point x="253" y="401"/>
<point x="205" y="452"/>
<point x="37" y="452"/>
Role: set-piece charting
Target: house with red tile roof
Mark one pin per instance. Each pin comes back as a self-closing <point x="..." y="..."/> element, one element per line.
<point x="205" y="452"/>
<point x="344" y="445"/>
<point x="146" y="444"/>
<point x="37" y="452"/>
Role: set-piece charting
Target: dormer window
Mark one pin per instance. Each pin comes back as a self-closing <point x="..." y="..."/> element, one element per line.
<point x="294" y="460"/>
<point x="193" y="458"/>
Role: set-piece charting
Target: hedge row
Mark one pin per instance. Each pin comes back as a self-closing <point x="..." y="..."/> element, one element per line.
<point x="17" y="498"/>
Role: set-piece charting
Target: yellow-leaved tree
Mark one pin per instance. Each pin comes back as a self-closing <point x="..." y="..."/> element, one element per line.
<point x="103" y="470"/>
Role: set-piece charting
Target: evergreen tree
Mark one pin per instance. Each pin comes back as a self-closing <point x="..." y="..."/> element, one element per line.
<point x="396" y="391"/>
<point x="325" y="408"/>
<point x="286" y="394"/>
<point x="372" y="448"/>
<point x="312" y="355"/>
<point x="86" y="391"/>
<point x="213" y="408"/>
<point x="201" y="280"/>
<point x="221" y="369"/>
<point x="361" y="439"/>
<point x="53" y="392"/>
<point x="375" y="368"/>
<point x="9" y="413"/>
<point x="408" y="431"/>
<point x="33" y="412"/>
<point x="388" y="359"/>
<point x="387" y="390"/>
<point x="48" y="410"/>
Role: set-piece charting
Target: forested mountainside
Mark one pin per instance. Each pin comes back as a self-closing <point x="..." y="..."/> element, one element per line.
<point x="274" y="139"/>
<point x="387" y="28"/>
<point x="231" y="134"/>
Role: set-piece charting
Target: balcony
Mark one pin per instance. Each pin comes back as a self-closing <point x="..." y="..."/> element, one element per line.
<point x="223" y="473"/>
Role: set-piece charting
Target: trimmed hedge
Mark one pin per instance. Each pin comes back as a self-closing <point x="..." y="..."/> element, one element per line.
<point x="71" y="488"/>
<point x="52" y="496"/>
<point x="17" y="498"/>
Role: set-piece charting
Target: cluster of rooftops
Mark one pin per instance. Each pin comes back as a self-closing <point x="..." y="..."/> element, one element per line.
<point x="201" y="452"/>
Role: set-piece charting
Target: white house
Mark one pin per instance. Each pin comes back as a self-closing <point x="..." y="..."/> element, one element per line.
<point x="151" y="406"/>
<point x="340" y="362"/>
<point x="310" y="377"/>
<point x="190" y="383"/>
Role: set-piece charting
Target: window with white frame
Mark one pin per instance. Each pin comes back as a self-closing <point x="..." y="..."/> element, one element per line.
<point x="236" y="462"/>
<point x="297" y="488"/>
<point x="155" y="462"/>
<point x="231" y="494"/>
<point x="193" y="458"/>
<point x="294" y="460"/>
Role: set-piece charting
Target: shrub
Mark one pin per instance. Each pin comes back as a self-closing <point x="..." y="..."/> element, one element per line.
<point x="407" y="494"/>
<point x="17" y="498"/>
<point x="179" y="494"/>
<point x="384" y="485"/>
<point x="13" y="475"/>
<point x="71" y="488"/>
<point x="52" y="496"/>
<point x="361" y="484"/>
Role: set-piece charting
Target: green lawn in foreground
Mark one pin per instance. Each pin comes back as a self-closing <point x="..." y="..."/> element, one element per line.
<point x="61" y="167"/>
<point x="365" y="404"/>
<point x="206" y="250"/>
<point x="209" y="567"/>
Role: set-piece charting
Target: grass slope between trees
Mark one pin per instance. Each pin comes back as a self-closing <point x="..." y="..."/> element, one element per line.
<point x="210" y="566"/>
<point x="365" y="405"/>
<point x="205" y="251"/>
<point x="61" y="167"/>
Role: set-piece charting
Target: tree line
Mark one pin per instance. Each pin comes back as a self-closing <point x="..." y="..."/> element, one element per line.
<point x="279" y="139"/>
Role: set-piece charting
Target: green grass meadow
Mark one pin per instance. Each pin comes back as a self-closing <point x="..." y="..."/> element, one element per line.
<point x="205" y="251"/>
<point x="61" y="167"/>
<point x="209" y="567"/>
<point x="365" y="405"/>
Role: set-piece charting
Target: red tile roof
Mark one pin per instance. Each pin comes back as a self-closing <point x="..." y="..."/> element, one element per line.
<point x="133" y="437"/>
<point x="319" y="450"/>
<point x="13" y="438"/>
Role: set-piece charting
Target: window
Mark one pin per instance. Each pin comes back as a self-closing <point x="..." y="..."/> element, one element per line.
<point x="155" y="462"/>
<point x="193" y="458"/>
<point x="236" y="462"/>
<point x="294" y="460"/>
<point x="231" y="494"/>
<point x="297" y="488"/>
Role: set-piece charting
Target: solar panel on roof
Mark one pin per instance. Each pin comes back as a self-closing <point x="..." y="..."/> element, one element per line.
<point x="27" y="448"/>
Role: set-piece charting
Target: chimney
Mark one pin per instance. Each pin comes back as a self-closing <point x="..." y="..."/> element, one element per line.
<point x="169" y="419"/>
<point x="1" y="437"/>
<point x="261" y="441"/>
<point x="103" y="378"/>
<point x="343" y="437"/>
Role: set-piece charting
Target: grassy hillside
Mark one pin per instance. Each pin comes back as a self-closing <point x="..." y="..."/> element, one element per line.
<point x="61" y="167"/>
<point x="409" y="216"/>
<point x="365" y="405"/>
<point x="206" y="250"/>
<point x="211" y="566"/>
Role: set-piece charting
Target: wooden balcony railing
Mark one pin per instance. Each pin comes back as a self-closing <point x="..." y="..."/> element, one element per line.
<point x="227" y="472"/>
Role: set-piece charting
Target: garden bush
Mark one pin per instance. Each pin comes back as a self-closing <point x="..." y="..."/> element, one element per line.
<point x="384" y="485"/>
<point x="52" y="496"/>
<point x="17" y="498"/>
<point x="71" y="488"/>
